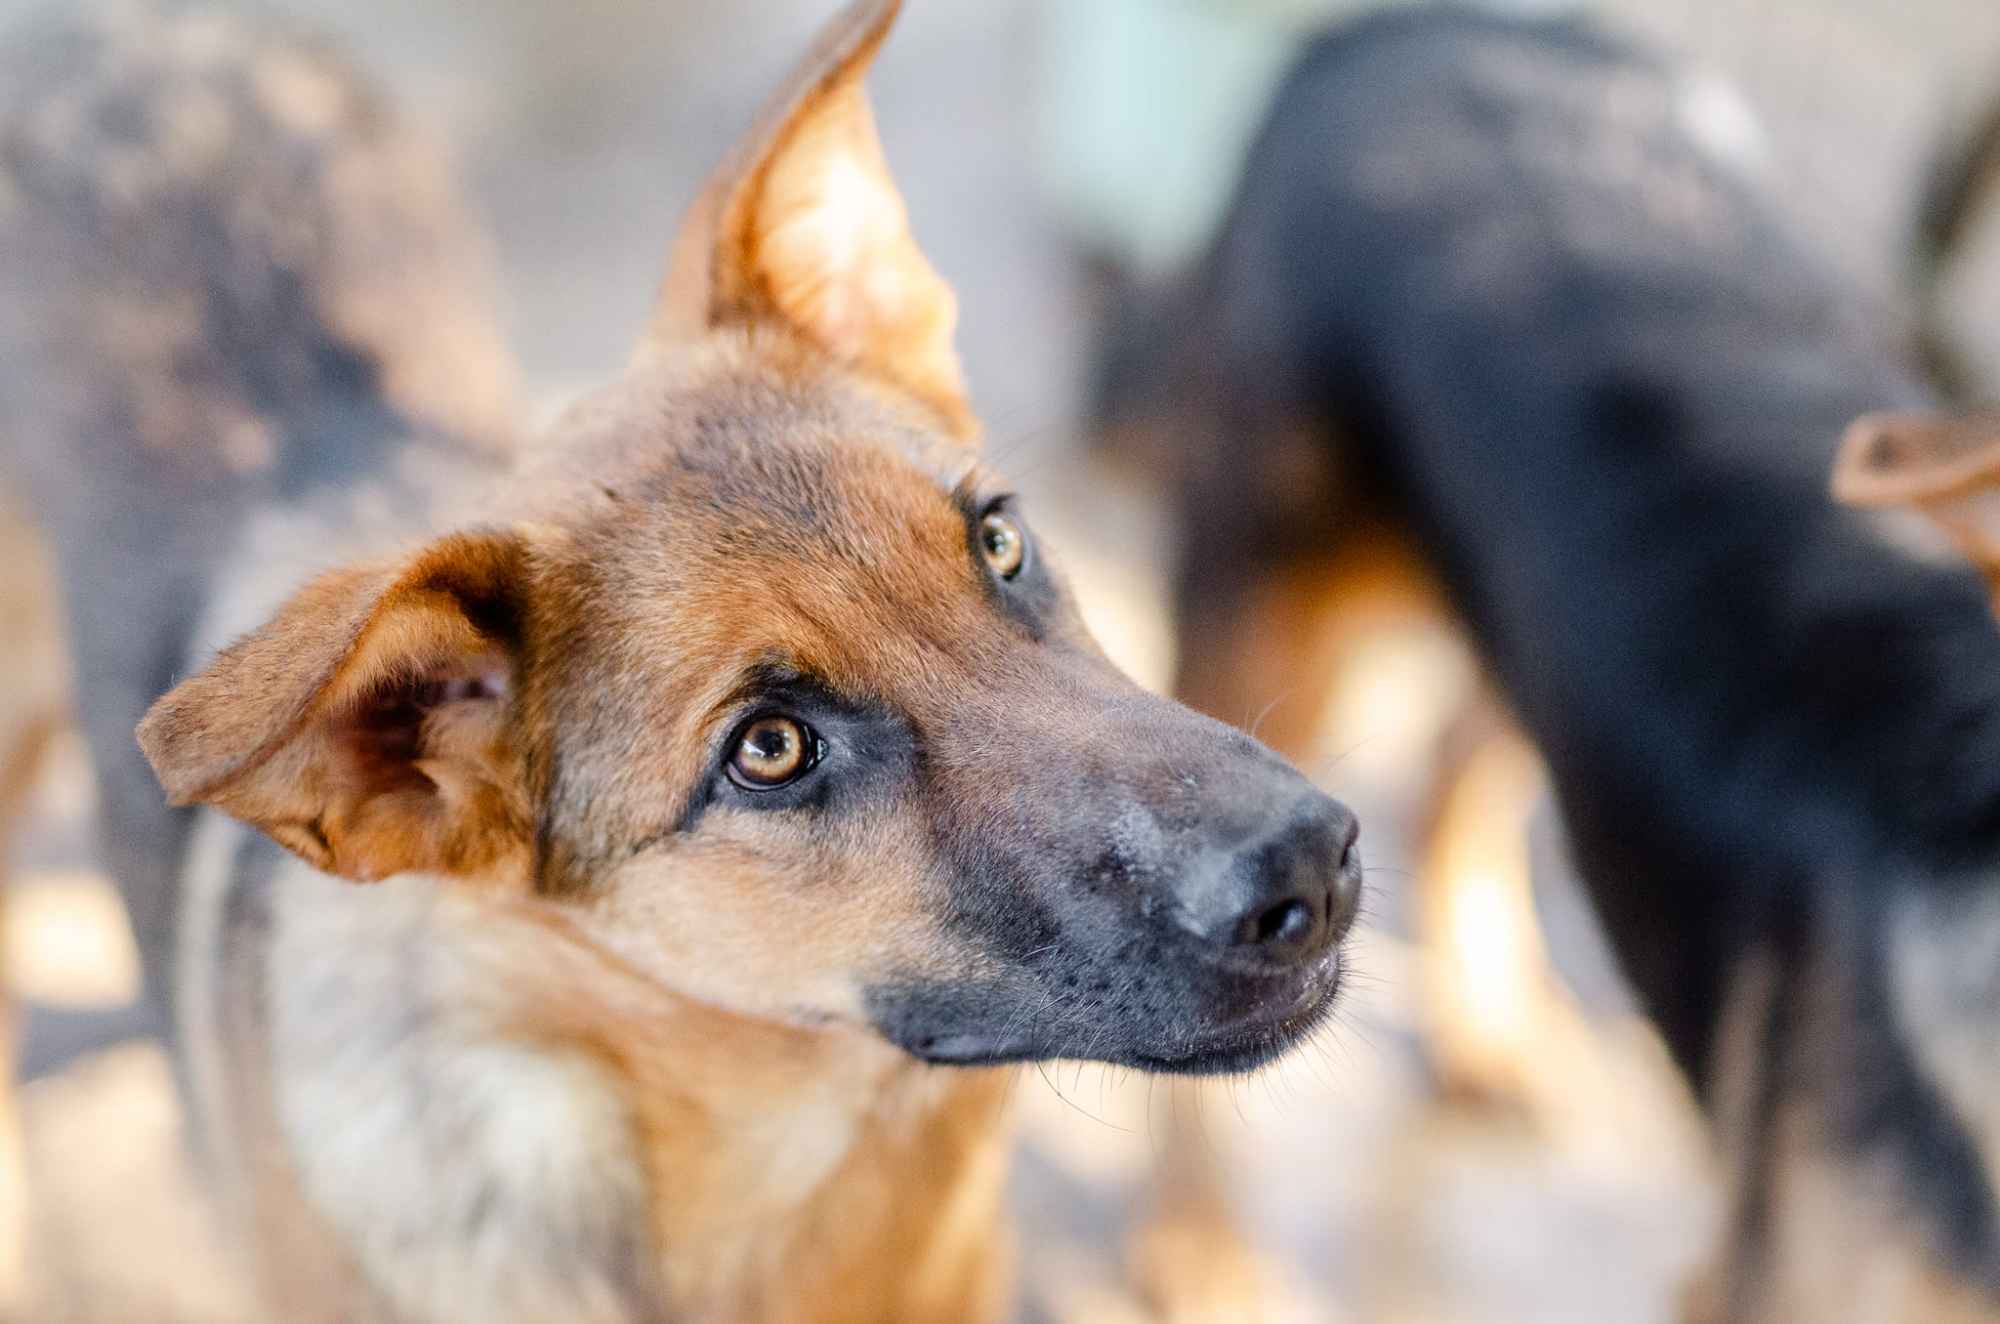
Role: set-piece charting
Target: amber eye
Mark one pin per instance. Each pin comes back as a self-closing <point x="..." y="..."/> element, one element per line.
<point x="770" y="752"/>
<point x="1003" y="544"/>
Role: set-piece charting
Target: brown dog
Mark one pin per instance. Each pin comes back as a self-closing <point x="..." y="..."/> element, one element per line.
<point x="736" y="778"/>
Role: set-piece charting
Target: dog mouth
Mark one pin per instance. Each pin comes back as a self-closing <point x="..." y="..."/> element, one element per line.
<point x="1255" y="1041"/>
<point x="1280" y="1019"/>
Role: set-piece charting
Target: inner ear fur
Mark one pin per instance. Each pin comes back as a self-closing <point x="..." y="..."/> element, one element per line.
<point x="1945" y="466"/>
<point x="367" y="726"/>
<point x="803" y="226"/>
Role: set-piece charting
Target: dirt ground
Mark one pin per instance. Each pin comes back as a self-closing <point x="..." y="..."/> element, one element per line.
<point x="583" y="128"/>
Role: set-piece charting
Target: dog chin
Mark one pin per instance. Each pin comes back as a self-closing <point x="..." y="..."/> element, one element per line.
<point x="1233" y="1047"/>
<point x="1246" y="1045"/>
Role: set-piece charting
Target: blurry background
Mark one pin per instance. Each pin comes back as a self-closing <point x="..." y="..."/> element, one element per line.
<point x="1038" y="144"/>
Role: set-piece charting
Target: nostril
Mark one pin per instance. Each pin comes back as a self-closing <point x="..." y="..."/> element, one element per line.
<point x="1348" y="838"/>
<point x="1285" y="924"/>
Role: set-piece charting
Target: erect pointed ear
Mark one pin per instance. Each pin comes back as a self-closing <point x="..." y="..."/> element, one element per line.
<point x="803" y="225"/>
<point x="1947" y="467"/>
<point x="366" y="726"/>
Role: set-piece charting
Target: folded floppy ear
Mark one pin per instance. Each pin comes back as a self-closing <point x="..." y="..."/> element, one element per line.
<point x="803" y="225"/>
<point x="1947" y="467"/>
<point x="366" y="726"/>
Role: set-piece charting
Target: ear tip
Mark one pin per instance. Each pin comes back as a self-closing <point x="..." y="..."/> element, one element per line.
<point x="180" y="748"/>
<point x="874" y="15"/>
<point x="1888" y="458"/>
<point x="153" y="737"/>
<point x="160" y="735"/>
<point x="856" y="33"/>
<point x="1857" y="462"/>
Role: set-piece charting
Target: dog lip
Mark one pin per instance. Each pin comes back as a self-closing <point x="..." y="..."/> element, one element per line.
<point x="1252" y="1042"/>
<point x="1233" y="1046"/>
<point x="1253" y="964"/>
<point x="972" y="1050"/>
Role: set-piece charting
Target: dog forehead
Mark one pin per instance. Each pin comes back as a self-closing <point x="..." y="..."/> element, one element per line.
<point x="817" y="507"/>
<point x="715" y="521"/>
<point x="734" y="407"/>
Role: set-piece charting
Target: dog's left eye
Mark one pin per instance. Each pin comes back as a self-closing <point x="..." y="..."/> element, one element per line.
<point x="1003" y="544"/>
<point x="772" y="751"/>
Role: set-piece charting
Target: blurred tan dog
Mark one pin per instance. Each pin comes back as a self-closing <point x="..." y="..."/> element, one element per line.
<point x="734" y="777"/>
<point x="35" y="702"/>
<point x="33" y="709"/>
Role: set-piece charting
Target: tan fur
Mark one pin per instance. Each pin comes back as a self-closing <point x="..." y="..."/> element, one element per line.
<point x="32" y="712"/>
<point x="1500" y="1025"/>
<point x="34" y="700"/>
<point x="1190" y="1260"/>
<point x="20" y="758"/>
<point x="810" y="1175"/>
<point x="1274" y="664"/>
<point x="563" y="1061"/>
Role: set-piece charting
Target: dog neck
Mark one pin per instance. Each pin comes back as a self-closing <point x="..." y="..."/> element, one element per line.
<point x="494" y="1118"/>
<point x="793" y="1173"/>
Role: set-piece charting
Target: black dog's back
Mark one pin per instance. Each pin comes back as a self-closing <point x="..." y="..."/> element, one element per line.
<point x="1524" y="282"/>
<point x="1604" y="384"/>
<point x="227" y="278"/>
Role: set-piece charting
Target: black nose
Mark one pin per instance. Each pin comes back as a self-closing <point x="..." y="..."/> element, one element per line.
<point x="1286" y="897"/>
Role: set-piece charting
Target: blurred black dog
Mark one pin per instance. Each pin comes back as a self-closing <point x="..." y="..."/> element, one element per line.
<point x="1956" y="213"/>
<point x="1515" y="291"/>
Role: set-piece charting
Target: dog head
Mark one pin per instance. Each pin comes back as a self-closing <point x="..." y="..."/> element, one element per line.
<point x="769" y="684"/>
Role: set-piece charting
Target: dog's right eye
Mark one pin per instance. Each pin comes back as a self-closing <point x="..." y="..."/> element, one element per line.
<point x="1003" y="544"/>
<point x="772" y="751"/>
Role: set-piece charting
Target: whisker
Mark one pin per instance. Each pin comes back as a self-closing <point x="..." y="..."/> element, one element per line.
<point x="1257" y="722"/>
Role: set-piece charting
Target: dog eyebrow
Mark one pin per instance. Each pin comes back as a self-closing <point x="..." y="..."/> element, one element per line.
<point x="776" y="675"/>
<point x="963" y="474"/>
<point x="772" y="672"/>
<point x="965" y="495"/>
<point x="973" y="499"/>
<point x="947" y="463"/>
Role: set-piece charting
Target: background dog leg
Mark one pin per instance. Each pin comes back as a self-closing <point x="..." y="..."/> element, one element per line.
<point x="1188" y="1259"/>
<point x="1501" y="1026"/>
<point x="1484" y="972"/>
<point x="31" y="714"/>
<point x="20" y="759"/>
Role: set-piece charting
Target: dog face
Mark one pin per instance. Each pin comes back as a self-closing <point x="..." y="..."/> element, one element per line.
<point x="770" y="688"/>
